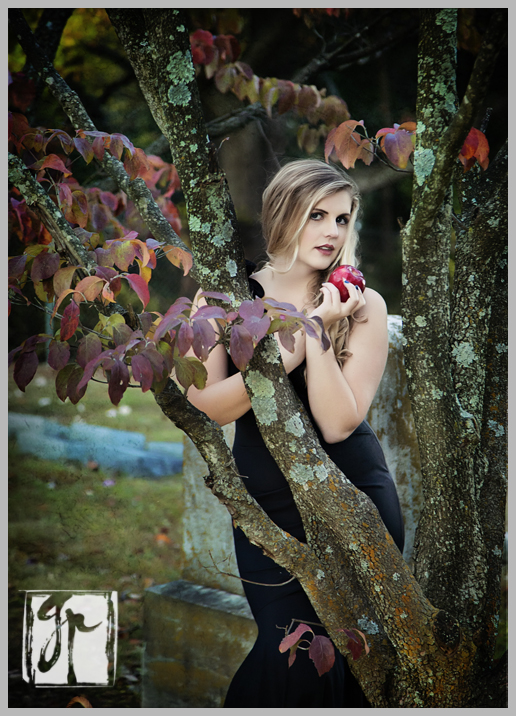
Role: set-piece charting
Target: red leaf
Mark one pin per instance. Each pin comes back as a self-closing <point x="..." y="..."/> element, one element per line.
<point x="25" y="369"/>
<point x="44" y="266"/>
<point x="241" y="346"/>
<point x="294" y="637"/>
<point x="355" y="644"/>
<point x="142" y="371"/>
<point x="65" y="197"/>
<point x="476" y="147"/>
<point x="322" y="653"/>
<point x="69" y="321"/>
<point x="58" y="354"/>
<point x="136" y="164"/>
<point x="98" y="147"/>
<point x="139" y="286"/>
<point x="84" y="148"/>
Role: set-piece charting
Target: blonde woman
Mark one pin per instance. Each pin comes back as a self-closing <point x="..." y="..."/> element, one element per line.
<point x="308" y="218"/>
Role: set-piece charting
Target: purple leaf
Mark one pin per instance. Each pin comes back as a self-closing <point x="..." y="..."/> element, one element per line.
<point x="286" y="337"/>
<point x="16" y="266"/>
<point x="90" y="347"/>
<point x="58" y="354"/>
<point x="121" y="333"/>
<point x="156" y="360"/>
<point x="252" y="309"/>
<point x="204" y="338"/>
<point x="209" y="312"/>
<point x="25" y="369"/>
<point x="167" y="324"/>
<point x="241" y="346"/>
<point x="185" y="337"/>
<point x="118" y="381"/>
<point x="72" y="388"/>
<point x="322" y="653"/>
<point x="44" y="266"/>
<point x="216" y="296"/>
<point x="142" y="371"/>
<point x="257" y="327"/>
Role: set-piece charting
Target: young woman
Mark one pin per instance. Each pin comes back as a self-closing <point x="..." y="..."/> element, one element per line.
<point x="308" y="218"/>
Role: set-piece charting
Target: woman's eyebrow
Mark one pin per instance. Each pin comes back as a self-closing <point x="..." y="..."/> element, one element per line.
<point x="322" y="211"/>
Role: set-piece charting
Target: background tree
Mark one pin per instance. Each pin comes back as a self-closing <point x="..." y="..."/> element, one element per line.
<point x="432" y="634"/>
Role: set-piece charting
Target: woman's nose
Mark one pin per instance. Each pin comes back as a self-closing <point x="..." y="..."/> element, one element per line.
<point x="332" y="229"/>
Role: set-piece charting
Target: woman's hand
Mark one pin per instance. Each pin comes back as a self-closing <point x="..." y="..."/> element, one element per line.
<point x="332" y="309"/>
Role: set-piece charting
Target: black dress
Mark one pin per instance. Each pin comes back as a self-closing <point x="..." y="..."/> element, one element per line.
<point x="264" y="679"/>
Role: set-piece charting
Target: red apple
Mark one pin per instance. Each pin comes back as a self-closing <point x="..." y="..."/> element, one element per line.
<point x="347" y="273"/>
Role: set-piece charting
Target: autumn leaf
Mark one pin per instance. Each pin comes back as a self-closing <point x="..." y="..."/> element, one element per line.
<point x="58" y="354"/>
<point x="179" y="257"/>
<point x="90" y="347"/>
<point x="289" y="641"/>
<point x="322" y="653"/>
<point x="355" y="644"/>
<point x="204" y="338"/>
<point x="25" y="369"/>
<point x="82" y="700"/>
<point x="348" y="144"/>
<point x="476" y="147"/>
<point x="139" y="286"/>
<point x="142" y="371"/>
<point x="44" y="266"/>
<point x="69" y="321"/>
<point x="398" y="142"/>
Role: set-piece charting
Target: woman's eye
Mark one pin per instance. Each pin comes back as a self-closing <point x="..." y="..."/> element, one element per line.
<point x="315" y="215"/>
<point x="343" y="220"/>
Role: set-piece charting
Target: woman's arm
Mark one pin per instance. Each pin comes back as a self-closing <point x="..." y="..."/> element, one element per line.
<point x="340" y="398"/>
<point x="224" y="397"/>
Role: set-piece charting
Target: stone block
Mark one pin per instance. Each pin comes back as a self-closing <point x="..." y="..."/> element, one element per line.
<point x="195" y="639"/>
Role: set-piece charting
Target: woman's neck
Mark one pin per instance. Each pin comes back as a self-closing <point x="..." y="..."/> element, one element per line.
<point x="293" y="286"/>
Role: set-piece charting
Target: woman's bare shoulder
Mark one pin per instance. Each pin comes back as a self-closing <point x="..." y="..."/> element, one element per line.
<point x="375" y="307"/>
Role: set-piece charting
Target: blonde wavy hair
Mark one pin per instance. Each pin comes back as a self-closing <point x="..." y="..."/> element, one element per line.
<point x="288" y="202"/>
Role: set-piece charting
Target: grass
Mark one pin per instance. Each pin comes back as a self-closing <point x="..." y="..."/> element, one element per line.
<point x="136" y="411"/>
<point x="76" y="528"/>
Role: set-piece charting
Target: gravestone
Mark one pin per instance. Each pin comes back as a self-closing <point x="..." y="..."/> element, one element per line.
<point x="198" y="630"/>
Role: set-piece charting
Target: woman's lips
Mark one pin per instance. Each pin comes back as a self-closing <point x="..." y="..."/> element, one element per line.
<point x="326" y="249"/>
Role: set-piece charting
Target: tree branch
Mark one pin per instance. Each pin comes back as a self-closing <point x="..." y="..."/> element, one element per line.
<point x="136" y="189"/>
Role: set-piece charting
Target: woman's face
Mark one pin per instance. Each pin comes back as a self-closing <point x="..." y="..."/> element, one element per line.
<point x="326" y="231"/>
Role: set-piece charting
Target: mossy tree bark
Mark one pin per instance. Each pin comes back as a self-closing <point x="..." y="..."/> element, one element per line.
<point x="431" y="634"/>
